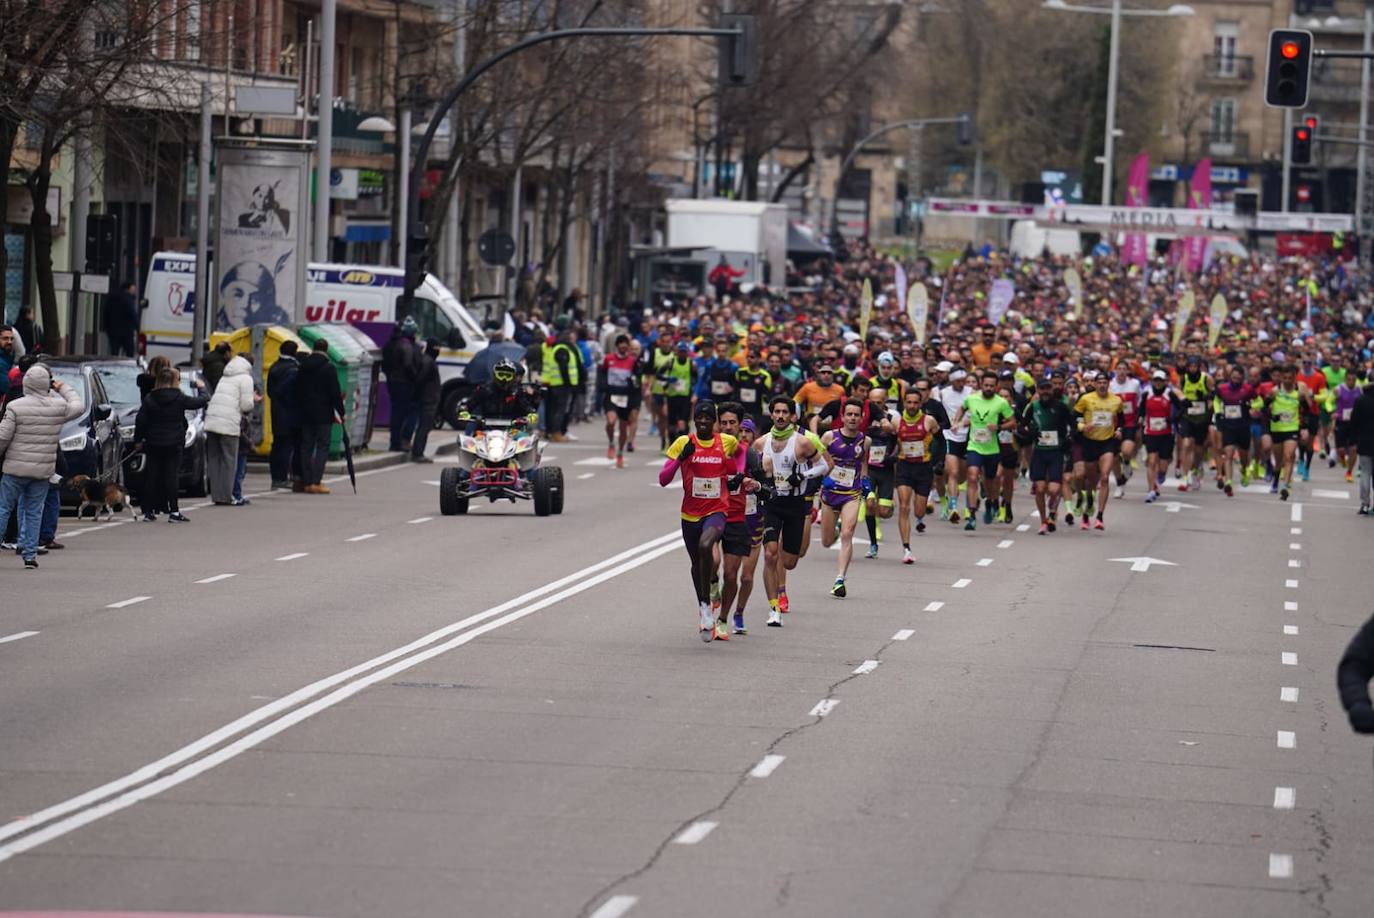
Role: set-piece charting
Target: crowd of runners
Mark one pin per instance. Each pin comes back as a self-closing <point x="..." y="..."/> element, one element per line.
<point x="781" y="413"/>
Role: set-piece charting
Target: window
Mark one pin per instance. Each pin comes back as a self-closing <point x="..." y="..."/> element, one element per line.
<point x="1225" y="35"/>
<point x="192" y="30"/>
<point x="429" y="319"/>
<point x="1223" y="120"/>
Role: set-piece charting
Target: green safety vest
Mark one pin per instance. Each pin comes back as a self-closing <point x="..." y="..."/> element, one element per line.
<point x="553" y="374"/>
<point x="1283" y="411"/>
<point x="680" y="378"/>
<point x="661" y="363"/>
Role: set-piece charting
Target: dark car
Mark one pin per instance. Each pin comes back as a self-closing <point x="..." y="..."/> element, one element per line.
<point x="193" y="476"/>
<point x="90" y="443"/>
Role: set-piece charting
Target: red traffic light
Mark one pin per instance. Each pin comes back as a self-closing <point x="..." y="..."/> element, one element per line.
<point x="1289" y="50"/>
<point x="1311" y="122"/>
<point x="1302" y="134"/>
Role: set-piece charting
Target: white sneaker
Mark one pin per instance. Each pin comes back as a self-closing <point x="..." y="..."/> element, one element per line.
<point x="774" y="618"/>
<point x="1119" y="492"/>
<point x="908" y="557"/>
<point x="708" y="622"/>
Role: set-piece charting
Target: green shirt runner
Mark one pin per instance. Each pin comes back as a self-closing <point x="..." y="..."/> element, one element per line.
<point x="983" y="412"/>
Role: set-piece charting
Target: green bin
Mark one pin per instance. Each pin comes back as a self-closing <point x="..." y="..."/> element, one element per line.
<point x="357" y="359"/>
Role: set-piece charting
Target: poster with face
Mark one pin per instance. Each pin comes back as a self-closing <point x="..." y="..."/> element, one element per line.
<point x="260" y="253"/>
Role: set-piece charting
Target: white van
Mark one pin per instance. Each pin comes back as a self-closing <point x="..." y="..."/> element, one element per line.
<point x="1029" y="240"/>
<point x="358" y="295"/>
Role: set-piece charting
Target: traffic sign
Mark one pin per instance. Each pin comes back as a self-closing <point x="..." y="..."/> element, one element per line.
<point x="496" y="247"/>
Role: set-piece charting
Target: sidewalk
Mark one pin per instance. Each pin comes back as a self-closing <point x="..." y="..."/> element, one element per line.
<point x="375" y="455"/>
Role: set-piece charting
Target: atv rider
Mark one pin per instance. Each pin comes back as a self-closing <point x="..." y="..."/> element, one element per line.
<point x="500" y="399"/>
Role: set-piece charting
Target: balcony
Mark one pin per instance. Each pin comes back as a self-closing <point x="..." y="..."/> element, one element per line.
<point x="1335" y="81"/>
<point x="1228" y="145"/>
<point x="1230" y="69"/>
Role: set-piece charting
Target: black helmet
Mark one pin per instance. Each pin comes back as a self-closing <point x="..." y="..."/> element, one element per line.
<point x="504" y="374"/>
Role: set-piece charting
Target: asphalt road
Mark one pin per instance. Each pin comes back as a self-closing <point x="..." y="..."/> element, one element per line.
<point x="351" y="706"/>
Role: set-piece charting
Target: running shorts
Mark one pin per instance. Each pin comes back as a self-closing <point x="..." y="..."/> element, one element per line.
<point x="785" y="522"/>
<point x="736" y="540"/>
<point x="884" y="481"/>
<point x="987" y="463"/>
<point x="1094" y="450"/>
<point x="919" y="476"/>
<point x="632" y="402"/>
<point x="1237" y="436"/>
<point x="955" y="448"/>
<point x="1161" y="446"/>
<point x="692" y="530"/>
<point x="1345" y="435"/>
<point x="1010" y="459"/>
<point x="1197" y="430"/>
<point x="1047" y="465"/>
<point x="679" y="409"/>
<point x="1283" y="437"/>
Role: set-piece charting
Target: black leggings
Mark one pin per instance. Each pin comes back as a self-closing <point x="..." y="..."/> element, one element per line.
<point x="160" y="479"/>
<point x="700" y="536"/>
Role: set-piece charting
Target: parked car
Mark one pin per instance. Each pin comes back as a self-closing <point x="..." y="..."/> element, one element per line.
<point x="193" y="477"/>
<point x="90" y="443"/>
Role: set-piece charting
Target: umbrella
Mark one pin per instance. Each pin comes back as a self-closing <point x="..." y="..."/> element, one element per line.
<point x="348" y="456"/>
<point x="479" y="367"/>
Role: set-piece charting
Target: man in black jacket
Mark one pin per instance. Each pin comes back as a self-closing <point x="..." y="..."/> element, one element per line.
<point x="427" y="389"/>
<point x="160" y="431"/>
<point x="286" y="422"/>
<point x="401" y="364"/>
<point x="320" y="402"/>
<point x="1352" y="679"/>
<point x="213" y="363"/>
<point x="1362" y="427"/>
<point x="121" y="319"/>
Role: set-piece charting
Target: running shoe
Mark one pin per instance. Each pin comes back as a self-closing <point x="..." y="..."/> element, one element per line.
<point x="1302" y="470"/>
<point x="1349" y="476"/>
<point x="1098" y="525"/>
<point x="1119" y="492"/>
<point x="1044" y="529"/>
<point x="783" y="605"/>
<point x="838" y="590"/>
<point x="1083" y="524"/>
<point x="620" y="462"/>
<point x="920" y="525"/>
<point x="630" y="447"/>
<point x="610" y="452"/>
<point x="987" y="513"/>
<point x="1183" y="486"/>
<point x="1229" y="488"/>
<point x="150" y="517"/>
<point x="1245" y="478"/>
<point x="1363" y="511"/>
<point x="1151" y="497"/>
<point x="971" y="525"/>
<point x="907" y="557"/>
<point x="1001" y="514"/>
<point x="1220" y="484"/>
<point x="739" y="624"/>
<point x="872" y="550"/>
<point x="707" y="626"/>
<point x="1274" y="486"/>
<point x="721" y="633"/>
<point x="1052" y="526"/>
<point x="944" y="513"/>
<point x="1010" y="519"/>
<point x="1283" y="494"/>
<point x="1068" y="518"/>
<point x="954" y="517"/>
<point x="774" y="618"/>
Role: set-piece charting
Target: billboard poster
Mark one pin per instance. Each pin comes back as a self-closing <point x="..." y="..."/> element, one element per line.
<point x="261" y="242"/>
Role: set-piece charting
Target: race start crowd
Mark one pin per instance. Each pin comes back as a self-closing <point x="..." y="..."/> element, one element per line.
<point x="778" y="413"/>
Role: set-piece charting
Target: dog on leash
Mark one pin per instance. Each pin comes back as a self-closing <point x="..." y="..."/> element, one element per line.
<point x="100" y="497"/>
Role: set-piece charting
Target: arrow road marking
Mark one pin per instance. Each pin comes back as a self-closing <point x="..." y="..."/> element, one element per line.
<point x="1142" y="564"/>
<point x="1175" y="506"/>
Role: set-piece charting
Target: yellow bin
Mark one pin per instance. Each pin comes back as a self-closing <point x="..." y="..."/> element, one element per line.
<point x="264" y="343"/>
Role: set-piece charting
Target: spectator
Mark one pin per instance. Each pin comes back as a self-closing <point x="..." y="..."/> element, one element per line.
<point x="52" y="505"/>
<point x="232" y="399"/>
<point x="29" y="432"/>
<point x="401" y="364"/>
<point x="212" y="364"/>
<point x="320" y="402"/>
<point x="121" y="319"/>
<point x="160" y="431"/>
<point x="246" y="445"/>
<point x="1362" y="426"/>
<point x="286" y="419"/>
<point x="28" y="332"/>
<point x="427" y="389"/>
<point x="562" y="372"/>
<point x="6" y="358"/>
<point x="147" y="380"/>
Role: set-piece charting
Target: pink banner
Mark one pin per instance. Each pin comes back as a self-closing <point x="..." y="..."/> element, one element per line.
<point x="1135" y="251"/>
<point x="1199" y="198"/>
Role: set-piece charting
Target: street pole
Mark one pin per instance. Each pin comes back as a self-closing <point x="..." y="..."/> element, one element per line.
<point x="1287" y="157"/>
<point x="200" y="316"/>
<point x="403" y="191"/>
<point x="453" y="232"/>
<point x="512" y="272"/>
<point x="1361" y="182"/>
<point x="1109" y="141"/>
<point x="81" y="209"/>
<point x="324" y="147"/>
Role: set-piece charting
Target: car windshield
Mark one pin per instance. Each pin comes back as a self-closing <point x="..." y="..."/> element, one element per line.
<point x="121" y="383"/>
<point x="71" y="376"/>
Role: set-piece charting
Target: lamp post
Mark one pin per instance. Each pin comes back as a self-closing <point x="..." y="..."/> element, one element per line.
<point x="1116" y="11"/>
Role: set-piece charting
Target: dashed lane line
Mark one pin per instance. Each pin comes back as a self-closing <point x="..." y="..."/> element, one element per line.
<point x="766" y="766"/>
<point x="1280" y="866"/>
<point x="1290" y="606"/>
<point x="418" y="520"/>
<point x="866" y="667"/>
<point x="293" y="556"/>
<point x="1289" y="658"/>
<point x="903" y="635"/>
<point x="1289" y="693"/>
<point x="216" y="578"/>
<point x="984" y="562"/>
<point x="1296" y="513"/>
<point x="1290" y="629"/>
<point x="960" y="583"/>
<point x="362" y="538"/>
<point x="934" y="606"/>
<point x="696" y="832"/>
<point x="824" y="707"/>
<point x="615" y="907"/>
<point x="17" y="636"/>
<point x="1295" y="546"/>
<point x="1005" y="543"/>
<point x="1284" y="798"/>
<point x="1291" y="584"/>
<point x="585" y="475"/>
<point x="1287" y="739"/>
<point x="125" y="603"/>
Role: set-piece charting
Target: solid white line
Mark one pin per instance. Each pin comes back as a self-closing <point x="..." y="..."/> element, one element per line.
<point x="824" y="707"/>
<point x="934" y="606"/>
<point x="293" y="557"/>
<point x="615" y="907"/>
<point x="903" y="635"/>
<point x="1297" y="513"/>
<point x="1287" y="739"/>
<point x="1288" y="693"/>
<point x="1296" y="530"/>
<point x="1295" y="546"/>
<point x="562" y="588"/>
<point x="1280" y="866"/>
<point x="1289" y="658"/>
<point x="1333" y="495"/>
<point x="867" y="666"/>
<point x="217" y="578"/>
<point x="695" y="832"/>
<point x="1290" y="629"/>
<point x="17" y="636"/>
<point x="1290" y="605"/>
<point x="1005" y="543"/>
<point x="1294" y="562"/>
<point x="124" y="603"/>
<point x="585" y="475"/>
<point x="961" y="583"/>
<point x="1284" y="798"/>
<point x="419" y="519"/>
<point x="1291" y="584"/>
<point x="984" y="562"/>
<point x="1024" y="527"/>
<point x="766" y="766"/>
<point x="362" y="538"/>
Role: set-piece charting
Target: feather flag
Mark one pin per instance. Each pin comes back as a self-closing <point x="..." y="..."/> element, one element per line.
<point x="1074" y="282"/>
<point x="901" y="287"/>
<point x="1181" y="317"/>
<point x="865" y="309"/>
<point x="918" y="310"/>
<point x="1000" y="301"/>
<point x="1216" y="320"/>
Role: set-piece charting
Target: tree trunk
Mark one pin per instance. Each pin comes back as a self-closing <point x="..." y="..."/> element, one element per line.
<point x="41" y="232"/>
<point x="749" y="162"/>
<point x="9" y="132"/>
<point x="792" y="175"/>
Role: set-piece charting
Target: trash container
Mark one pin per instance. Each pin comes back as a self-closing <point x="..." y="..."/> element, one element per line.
<point x="264" y="343"/>
<point x="358" y="361"/>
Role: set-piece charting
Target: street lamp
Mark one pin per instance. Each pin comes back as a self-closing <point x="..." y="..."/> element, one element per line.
<point x="1113" y="65"/>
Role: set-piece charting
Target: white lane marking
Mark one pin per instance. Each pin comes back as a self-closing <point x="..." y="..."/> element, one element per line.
<point x="1284" y="798"/>
<point x="1296" y="530"/>
<point x="293" y="556"/>
<point x="984" y="562"/>
<point x="1280" y="866"/>
<point x="1287" y="739"/>
<point x="961" y="583"/>
<point x="615" y="907"/>
<point x="1288" y="693"/>
<point x="695" y="832"/>
<point x="1289" y="658"/>
<point x="766" y="766"/>
<point x="525" y="604"/>
<point x="867" y="666"/>
<point x="1296" y="514"/>
<point x="17" y="636"/>
<point x="903" y="635"/>
<point x="1290" y="629"/>
<point x="73" y="533"/>
<point x="418" y="520"/>
<point x="217" y="578"/>
<point x="1332" y="495"/>
<point x="1024" y="527"/>
<point x="1290" y="606"/>
<point x="1005" y="543"/>
<point x="1294" y="562"/>
<point x="362" y="538"/>
<point x="125" y="603"/>
<point x="1291" y="584"/>
<point x="585" y="475"/>
<point x="597" y="461"/>
<point x="1295" y="546"/>
<point x="435" y="483"/>
<point x="824" y="707"/>
<point x="934" y="606"/>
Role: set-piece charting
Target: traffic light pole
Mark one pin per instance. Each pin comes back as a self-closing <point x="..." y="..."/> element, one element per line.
<point x="416" y="235"/>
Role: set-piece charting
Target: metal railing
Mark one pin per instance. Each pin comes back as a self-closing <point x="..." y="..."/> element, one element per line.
<point x="1228" y="144"/>
<point x="1238" y="67"/>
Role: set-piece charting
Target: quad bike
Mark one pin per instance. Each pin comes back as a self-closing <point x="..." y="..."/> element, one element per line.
<point x="500" y="460"/>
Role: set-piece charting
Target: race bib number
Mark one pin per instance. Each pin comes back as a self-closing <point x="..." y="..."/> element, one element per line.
<point x="1102" y="419"/>
<point x="982" y="435"/>
<point x="1159" y="425"/>
<point x="913" y="449"/>
<point x="1287" y="417"/>
<point x="780" y="480"/>
<point x="1345" y="413"/>
<point x="1231" y="412"/>
<point x="620" y="401"/>
<point x="751" y="504"/>
<point x="720" y="387"/>
<point x="1196" y="409"/>
<point x="1004" y="436"/>
<point x="677" y="386"/>
<point x="844" y="477"/>
<point x="749" y="395"/>
<point x="707" y="488"/>
<point x="1049" y="438"/>
<point x="877" y="455"/>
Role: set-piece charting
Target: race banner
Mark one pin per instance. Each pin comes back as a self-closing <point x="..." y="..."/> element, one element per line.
<point x="1199" y="198"/>
<point x="1185" y="312"/>
<point x="1216" y="320"/>
<point x="865" y="309"/>
<point x="1000" y="301"/>
<point x="1074" y="282"/>
<point x="918" y="310"/>
<point x="1135" y="250"/>
<point x="901" y="287"/>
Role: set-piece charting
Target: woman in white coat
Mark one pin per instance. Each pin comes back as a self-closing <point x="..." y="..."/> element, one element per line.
<point x="233" y="398"/>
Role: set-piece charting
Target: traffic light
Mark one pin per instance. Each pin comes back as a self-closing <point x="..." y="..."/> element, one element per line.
<point x="964" y="130"/>
<point x="738" y="54"/>
<point x="1288" y="68"/>
<point x="1301" y="152"/>
<point x="1312" y="121"/>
